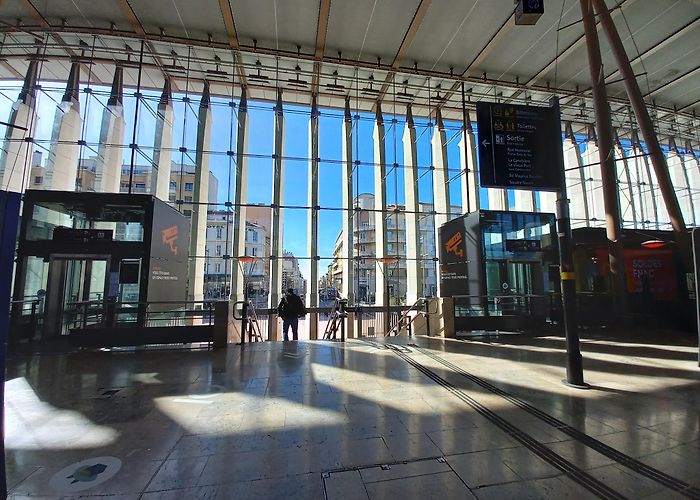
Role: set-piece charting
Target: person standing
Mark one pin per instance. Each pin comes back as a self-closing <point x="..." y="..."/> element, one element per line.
<point x="290" y="309"/>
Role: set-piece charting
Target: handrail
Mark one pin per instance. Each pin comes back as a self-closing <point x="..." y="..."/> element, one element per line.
<point x="406" y="316"/>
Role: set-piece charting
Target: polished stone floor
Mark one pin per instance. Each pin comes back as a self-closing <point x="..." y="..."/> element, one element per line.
<point x="485" y="418"/>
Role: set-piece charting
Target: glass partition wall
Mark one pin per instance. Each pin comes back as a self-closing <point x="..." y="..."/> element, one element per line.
<point x="325" y="178"/>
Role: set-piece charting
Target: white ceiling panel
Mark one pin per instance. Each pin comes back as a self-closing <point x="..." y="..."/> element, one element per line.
<point x="276" y="24"/>
<point x="367" y="29"/>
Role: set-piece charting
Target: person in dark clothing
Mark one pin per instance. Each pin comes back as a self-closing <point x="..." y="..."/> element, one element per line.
<point x="290" y="309"/>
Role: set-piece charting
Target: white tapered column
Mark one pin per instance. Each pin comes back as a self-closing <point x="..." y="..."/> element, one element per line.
<point x="277" y="236"/>
<point x="240" y="198"/>
<point x="627" y="202"/>
<point x="62" y="163"/>
<point x="692" y="167"/>
<point x="647" y="185"/>
<point x="575" y="180"/>
<point x="497" y="198"/>
<point x="382" y="267"/>
<point x="16" y="152"/>
<point x="590" y="157"/>
<point x="441" y="187"/>
<point x="347" y="198"/>
<point x="640" y="185"/>
<point x="680" y="180"/>
<point x="109" y="154"/>
<point x="524" y="201"/>
<point x="200" y="198"/>
<point x="469" y="180"/>
<point x="414" y="274"/>
<point x="163" y="141"/>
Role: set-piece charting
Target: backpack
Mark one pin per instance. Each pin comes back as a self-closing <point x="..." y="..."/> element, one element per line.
<point x="301" y="307"/>
<point x="291" y="307"/>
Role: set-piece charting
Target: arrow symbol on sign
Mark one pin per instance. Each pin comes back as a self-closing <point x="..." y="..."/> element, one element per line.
<point x="485" y="143"/>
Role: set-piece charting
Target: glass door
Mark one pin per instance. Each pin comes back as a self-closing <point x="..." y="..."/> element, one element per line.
<point x="75" y="293"/>
<point x="512" y="286"/>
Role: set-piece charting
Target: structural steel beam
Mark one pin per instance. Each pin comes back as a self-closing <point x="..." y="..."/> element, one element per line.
<point x="483" y="54"/>
<point x="481" y="80"/>
<point x="405" y="44"/>
<point x="131" y="16"/>
<point x="136" y="25"/>
<point x="324" y="10"/>
<point x="34" y="13"/>
<point x="647" y="128"/>
<point x="603" y="123"/>
<point x="575" y="45"/>
<point x="490" y="45"/>
<point x="227" y="14"/>
<point x="229" y="23"/>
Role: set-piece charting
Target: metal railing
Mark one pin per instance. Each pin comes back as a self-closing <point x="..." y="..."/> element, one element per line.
<point x="406" y="319"/>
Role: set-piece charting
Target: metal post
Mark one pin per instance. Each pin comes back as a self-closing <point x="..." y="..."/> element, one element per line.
<point x="696" y="258"/>
<point x="313" y="213"/>
<point x="342" y="313"/>
<point x="118" y="70"/>
<point x="240" y="198"/>
<point x="244" y="319"/>
<point x="574" y="362"/>
<point x="604" y="131"/>
<point x="647" y="128"/>
<point x="347" y="254"/>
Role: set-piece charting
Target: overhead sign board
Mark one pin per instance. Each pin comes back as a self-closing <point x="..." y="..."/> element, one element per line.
<point x="518" y="146"/>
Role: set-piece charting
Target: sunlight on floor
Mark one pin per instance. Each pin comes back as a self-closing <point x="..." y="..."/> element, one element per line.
<point x="31" y="424"/>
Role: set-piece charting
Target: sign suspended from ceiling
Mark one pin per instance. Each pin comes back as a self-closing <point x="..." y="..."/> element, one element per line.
<point x="518" y="146"/>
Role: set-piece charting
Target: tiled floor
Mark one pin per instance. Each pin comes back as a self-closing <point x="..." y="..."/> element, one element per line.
<point x="358" y="420"/>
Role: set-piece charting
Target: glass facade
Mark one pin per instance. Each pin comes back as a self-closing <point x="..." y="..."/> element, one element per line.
<point x="337" y="182"/>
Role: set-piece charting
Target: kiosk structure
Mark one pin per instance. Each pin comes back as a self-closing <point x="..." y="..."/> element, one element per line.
<point x="87" y="262"/>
